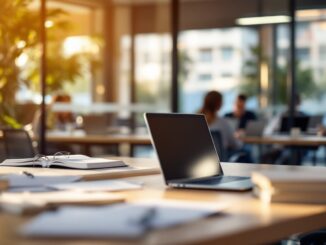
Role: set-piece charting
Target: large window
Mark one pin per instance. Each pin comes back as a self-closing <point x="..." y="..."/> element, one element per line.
<point x="153" y="70"/>
<point x="74" y="38"/>
<point x="310" y="63"/>
<point x="121" y="52"/>
<point x="142" y="58"/>
<point x="224" y="53"/>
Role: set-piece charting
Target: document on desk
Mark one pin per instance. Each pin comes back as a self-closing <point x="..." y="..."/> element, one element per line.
<point x="20" y="203"/>
<point x="116" y="221"/>
<point x="97" y="185"/>
<point x="29" y="180"/>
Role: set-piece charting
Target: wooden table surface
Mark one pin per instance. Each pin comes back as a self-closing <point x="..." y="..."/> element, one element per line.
<point x="87" y="141"/>
<point x="245" y="221"/>
<point x="286" y="140"/>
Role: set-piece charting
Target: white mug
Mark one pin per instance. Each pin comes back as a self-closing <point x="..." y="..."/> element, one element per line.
<point x="295" y="132"/>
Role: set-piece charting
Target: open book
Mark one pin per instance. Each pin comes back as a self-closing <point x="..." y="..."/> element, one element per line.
<point x="71" y="161"/>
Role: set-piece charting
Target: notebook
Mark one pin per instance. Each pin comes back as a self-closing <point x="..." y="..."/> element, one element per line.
<point x="293" y="186"/>
<point x="71" y="161"/>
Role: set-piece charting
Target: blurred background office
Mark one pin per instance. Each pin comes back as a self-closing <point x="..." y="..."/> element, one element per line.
<point x="120" y="58"/>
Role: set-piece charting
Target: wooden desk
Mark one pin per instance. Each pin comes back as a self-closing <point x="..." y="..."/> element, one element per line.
<point x="246" y="221"/>
<point x="286" y="140"/>
<point x="89" y="140"/>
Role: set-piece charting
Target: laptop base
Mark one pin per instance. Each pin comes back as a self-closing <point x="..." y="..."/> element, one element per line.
<point x="226" y="183"/>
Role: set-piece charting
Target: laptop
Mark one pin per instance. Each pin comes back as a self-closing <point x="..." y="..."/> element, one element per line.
<point x="233" y="123"/>
<point x="187" y="154"/>
<point x="255" y="128"/>
<point x="298" y="122"/>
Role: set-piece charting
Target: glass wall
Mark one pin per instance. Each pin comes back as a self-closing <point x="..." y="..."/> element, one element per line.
<point x="119" y="53"/>
<point x="142" y="57"/>
<point x="217" y="51"/>
<point x="74" y="37"/>
<point x="311" y="48"/>
<point x="215" y="59"/>
<point x="19" y="44"/>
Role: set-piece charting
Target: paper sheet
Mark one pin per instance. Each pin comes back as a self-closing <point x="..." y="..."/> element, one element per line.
<point x="99" y="185"/>
<point x="23" y="180"/>
<point x="116" y="221"/>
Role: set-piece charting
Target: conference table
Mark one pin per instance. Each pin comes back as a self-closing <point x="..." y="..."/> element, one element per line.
<point x="286" y="140"/>
<point x="245" y="220"/>
<point x="295" y="143"/>
<point x="89" y="140"/>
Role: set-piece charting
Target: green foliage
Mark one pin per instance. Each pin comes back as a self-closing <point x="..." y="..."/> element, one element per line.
<point x="19" y="34"/>
<point x="306" y="85"/>
<point x="250" y="84"/>
<point x="185" y="63"/>
<point x="304" y="81"/>
<point x="18" y="31"/>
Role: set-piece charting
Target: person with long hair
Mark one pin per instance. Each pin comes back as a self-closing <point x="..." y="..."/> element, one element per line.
<point x="212" y="104"/>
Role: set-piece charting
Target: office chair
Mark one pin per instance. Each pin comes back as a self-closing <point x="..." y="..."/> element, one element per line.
<point x="223" y="154"/>
<point x="218" y="142"/>
<point x="18" y="143"/>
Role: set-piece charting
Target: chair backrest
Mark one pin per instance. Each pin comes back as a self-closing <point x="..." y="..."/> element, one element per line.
<point x="97" y="123"/>
<point x="18" y="143"/>
<point x="218" y="142"/>
<point x="315" y="121"/>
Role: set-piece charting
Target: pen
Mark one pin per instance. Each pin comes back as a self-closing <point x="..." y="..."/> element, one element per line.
<point x="146" y="220"/>
<point x="28" y="174"/>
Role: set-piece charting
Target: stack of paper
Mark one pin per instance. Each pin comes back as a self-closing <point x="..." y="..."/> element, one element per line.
<point x="117" y="221"/>
<point x="28" y="182"/>
<point x="295" y="186"/>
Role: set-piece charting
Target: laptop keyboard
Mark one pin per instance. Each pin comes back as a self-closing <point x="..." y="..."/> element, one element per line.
<point x="217" y="180"/>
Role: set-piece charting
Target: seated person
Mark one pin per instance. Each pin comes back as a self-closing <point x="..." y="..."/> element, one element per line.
<point x="240" y="112"/>
<point x="212" y="104"/>
<point x="274" y="126"/>
<point x="61" y="120"/>
<point x="279" y="154"/>
<point x="210" y="108"/>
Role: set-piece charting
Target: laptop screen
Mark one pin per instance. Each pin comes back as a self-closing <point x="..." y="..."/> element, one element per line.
<point x="184" y="146"/>
<point x="298" y="121"/>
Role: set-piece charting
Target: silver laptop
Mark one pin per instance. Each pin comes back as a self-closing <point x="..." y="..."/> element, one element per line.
<point x="187" y="154"/>
<point x="255" y="127"/>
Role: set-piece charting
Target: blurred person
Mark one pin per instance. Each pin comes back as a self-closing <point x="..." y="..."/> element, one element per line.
<point x="61" y="120"/>
<point x="212" y="104"/>
<point x="55" y="121"/>
<point x="240" y="113"/>
<point x="279" y="154"/>
<point x="274" y="126"/>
